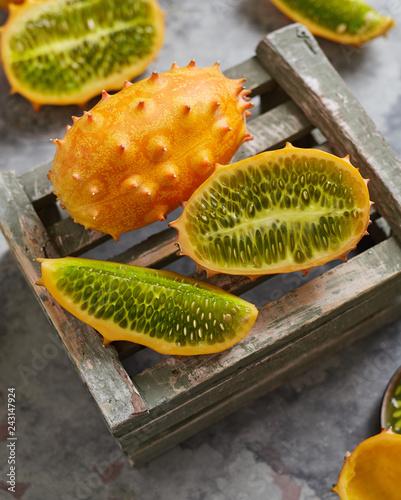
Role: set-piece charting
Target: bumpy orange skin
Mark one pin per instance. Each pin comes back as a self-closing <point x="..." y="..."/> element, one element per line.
<point x="141" y="152"/>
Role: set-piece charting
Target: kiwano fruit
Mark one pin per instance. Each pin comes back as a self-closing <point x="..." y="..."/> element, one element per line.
<point x="351" y="22"/>
<point x="141" y="152"/>
<point x="66" y="52"/>
<point x="5" y="4"/>
<point x="170" y="313"/>
<point x="373" y="470"/>
<point x="277" y="212"/>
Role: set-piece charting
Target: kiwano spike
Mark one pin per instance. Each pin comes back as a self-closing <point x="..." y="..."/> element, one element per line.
<point x="57" y="142"/>
<point x="254" y="277"/>
<point x="366" y="181"/>
<point x="192" y="64"/>
<point x="154" y="76"/>
<point x="36" y="105"/>
<point x="346" y="158"/>
<point x="372" y="203"/>
<point x="89" y="116"/>
<point x="105" y="95"/>
<point x="305" y="272"/>
<point x="239" y="81"/>
<point x="67" y="127"/>
<point x="122" y="148"/>
<point x="256" y="244"/>
<point x="156" y="138"/>
<point x="247" y="137"/>
<point x="210" y="273"/>
<point x="174" y="66"/>
<point x="127" y="84"/>
<point x="248" y="113"/>
<point x="75" y="118"/>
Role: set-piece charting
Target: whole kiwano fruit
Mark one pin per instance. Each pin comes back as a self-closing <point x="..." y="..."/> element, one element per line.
<point x="141" y="152"/>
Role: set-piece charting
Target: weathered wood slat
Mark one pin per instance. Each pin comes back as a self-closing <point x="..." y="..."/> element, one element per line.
<point x="272" y="129"/>
<point x="367" y="282"/>
<point x="71" y="238"/>
<point x="156" y="251"/>
<point x="258" y="79"/>
<point x="37" y="186"/>
<point x="266" y="379"/>
<point x="98" y="366"/>
<point x="296" y="62"/>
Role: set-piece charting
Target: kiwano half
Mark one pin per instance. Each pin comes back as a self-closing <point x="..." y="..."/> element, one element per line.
<point x="277" y="212"/>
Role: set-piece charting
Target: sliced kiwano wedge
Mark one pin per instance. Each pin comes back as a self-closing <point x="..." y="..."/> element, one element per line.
<point x="345" y="21"/>
<point x="5" y="4"/>
<point x="373" y="470"/>
<point x="277" y="212"/>
<point x="163" y="310"/>
<point x="64" y="52"/>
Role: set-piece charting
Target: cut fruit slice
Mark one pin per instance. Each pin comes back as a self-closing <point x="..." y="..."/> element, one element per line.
<point x="346" y="21"/>
<point x="373" y="470"/>
<point x="5" y="4"/>
<point x="163" y="310"/>
<point x="63" y="52"/>
<point x="277" y="212"/>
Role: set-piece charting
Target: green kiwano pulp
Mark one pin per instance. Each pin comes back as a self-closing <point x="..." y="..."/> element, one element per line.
<point x="163" y="310"/>
<point x="67" y="51"/>
<point x="277" y="212"/>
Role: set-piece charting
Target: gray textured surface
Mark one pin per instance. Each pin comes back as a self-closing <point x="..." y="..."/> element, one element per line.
<point x="286" y="446"/>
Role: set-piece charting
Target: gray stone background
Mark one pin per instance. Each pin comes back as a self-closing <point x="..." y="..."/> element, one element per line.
<point x="288" y="445"/>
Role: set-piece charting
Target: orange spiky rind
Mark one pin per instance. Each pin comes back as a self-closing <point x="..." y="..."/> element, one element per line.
<point x="131" y="134"/>
<point x="193" y="244"/>
<point x="26" y="18"/>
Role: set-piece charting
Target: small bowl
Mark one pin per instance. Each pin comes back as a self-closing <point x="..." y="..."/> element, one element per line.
<point x="386" y="403"/>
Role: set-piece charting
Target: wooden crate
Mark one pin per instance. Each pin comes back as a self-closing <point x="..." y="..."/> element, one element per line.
<point x="158" y="407"/>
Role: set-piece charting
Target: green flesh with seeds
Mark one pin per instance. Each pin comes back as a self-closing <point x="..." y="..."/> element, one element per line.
<point x="353" y="17"/>
<point x="394" y="413"/>
<point x="71" y="43"/>
<point x="292" y="212"/>
<point x="159" y="307"/>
